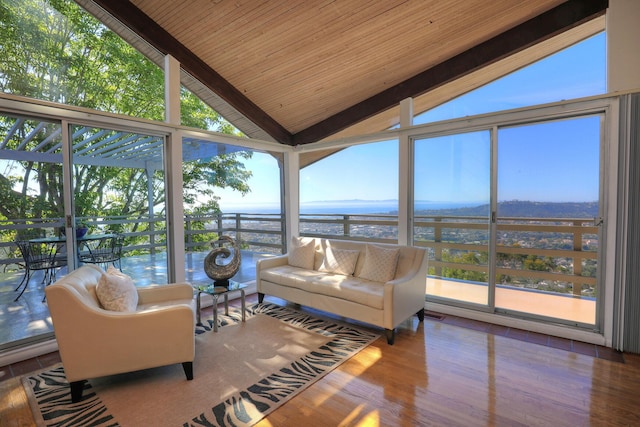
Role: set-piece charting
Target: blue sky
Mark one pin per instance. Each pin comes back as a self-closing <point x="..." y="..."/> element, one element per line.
<point x="549" y="162"/>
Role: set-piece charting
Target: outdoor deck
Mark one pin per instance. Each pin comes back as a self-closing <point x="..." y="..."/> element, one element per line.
<point x="29" y="316"/>
<point x="568" y="307"/>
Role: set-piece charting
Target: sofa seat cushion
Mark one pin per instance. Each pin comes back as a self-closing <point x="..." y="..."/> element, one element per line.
<point x="290" y="276"/>
<point x="348" y="288"/>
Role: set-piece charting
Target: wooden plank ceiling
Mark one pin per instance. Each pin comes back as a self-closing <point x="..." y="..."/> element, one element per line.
<point x="303" y="70"/>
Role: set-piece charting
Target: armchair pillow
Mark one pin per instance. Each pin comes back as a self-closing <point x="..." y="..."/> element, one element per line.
<point x="116" y="291"/>
<point x="379" y="263"/>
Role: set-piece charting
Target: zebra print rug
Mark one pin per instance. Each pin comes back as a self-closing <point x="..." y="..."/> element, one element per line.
<point x="50" y="400"/>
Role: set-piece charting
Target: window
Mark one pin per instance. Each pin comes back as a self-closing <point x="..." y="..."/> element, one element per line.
<point x="351" y="193"/>
<point x="574" y="72"/>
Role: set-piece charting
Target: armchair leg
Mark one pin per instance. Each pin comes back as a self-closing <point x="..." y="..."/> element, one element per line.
<point x="76" y="390"/>
<point x="188" y="370"/>
<point x="260" y="297"/>
<point x="391" y="336"/>
<point x="420" y="315"/>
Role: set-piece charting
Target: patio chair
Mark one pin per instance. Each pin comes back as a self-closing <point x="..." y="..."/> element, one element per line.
<point x="103" y="251"/>
<point x="41" y="255"/>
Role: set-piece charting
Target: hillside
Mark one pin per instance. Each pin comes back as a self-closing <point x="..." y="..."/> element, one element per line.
<point x="526" y="209"/>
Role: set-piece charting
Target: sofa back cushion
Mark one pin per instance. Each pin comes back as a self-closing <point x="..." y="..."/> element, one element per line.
<point x="409" y="257"/>
<point x="380" y="263"/>
<point x="339" y="261"/>
<point x="301" y="252"/>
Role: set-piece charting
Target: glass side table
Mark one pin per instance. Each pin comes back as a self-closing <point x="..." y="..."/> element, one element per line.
<point x="215" y="292"/>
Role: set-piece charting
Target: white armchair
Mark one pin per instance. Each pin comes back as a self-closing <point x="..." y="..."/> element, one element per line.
<point x="94" y="342"/>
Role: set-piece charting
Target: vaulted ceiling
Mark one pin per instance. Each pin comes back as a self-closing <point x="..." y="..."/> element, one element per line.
<point x="300" y="71"/>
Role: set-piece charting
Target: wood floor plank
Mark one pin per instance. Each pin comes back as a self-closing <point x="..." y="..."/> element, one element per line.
<point x="14" y="406"/>
<point x="446" y="375"/>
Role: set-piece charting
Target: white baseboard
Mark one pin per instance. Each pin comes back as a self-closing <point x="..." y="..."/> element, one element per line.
<point x="528" y="325"/>
<point x="28" y="352"/>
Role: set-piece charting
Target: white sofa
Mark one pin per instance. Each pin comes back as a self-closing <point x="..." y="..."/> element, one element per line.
<point x="385" y="303"/>
<point x="95" y="342"/>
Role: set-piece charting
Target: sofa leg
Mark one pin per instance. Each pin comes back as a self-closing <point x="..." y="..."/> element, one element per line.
<point x="260" y="297"/>
<point x="420" y="315"/>
<point x="76" y="390"/>
<point x="391" y="336"/>
<point x="188" y="369"/>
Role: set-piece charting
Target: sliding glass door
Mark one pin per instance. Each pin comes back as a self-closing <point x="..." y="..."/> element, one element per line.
<point x="548" y="213"/>
<point x="511" y="217"/>
<point x="452" y="214"/>
<point x="31" y="211"/>
<point x="59" y="181"/>
<point x="119" y="200"/>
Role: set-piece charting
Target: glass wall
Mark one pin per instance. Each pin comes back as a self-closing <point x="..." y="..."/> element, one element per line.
<point x="69" y="57"/>
<point x="511" y="217"/>
<point x="548" y="215"/>
<point x="575" y="72"/>
<point x="352" y="193"/>
<point x="452" y="213"/>
<point x="119" y="194"/>
<point x="232" y="191"/>
<point x="32" y="208"/>
<point x="117" y="190"/>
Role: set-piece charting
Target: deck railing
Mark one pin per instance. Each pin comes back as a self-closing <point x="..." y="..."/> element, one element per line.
<point x="530" y="251"/>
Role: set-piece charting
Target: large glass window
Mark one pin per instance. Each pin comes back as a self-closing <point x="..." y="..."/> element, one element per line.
<point x="547" y="218"/>
<point x="452" y="213"/>
<point x="117" y="190"/>
<point x="511" y="217"/>
<point x="119" y="197"/>
<point x="55" y="51"/>
<point x="232" y="191"/>
<point x="31" y="208"/>
<point x="575" y="72"/>
<point x="352" y="193"/>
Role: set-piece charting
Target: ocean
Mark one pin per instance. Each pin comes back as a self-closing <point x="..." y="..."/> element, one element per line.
<point x="346" y="207"/>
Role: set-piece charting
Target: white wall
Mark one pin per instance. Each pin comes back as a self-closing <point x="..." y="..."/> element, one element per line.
<point x="623" y="45"/>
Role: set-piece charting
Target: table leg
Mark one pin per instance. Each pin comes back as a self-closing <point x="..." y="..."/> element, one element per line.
<point x="226" y="304"/>
<point x="198" y="308"/>
<point x="243" y="304"/>
<point x="215" y="313"/>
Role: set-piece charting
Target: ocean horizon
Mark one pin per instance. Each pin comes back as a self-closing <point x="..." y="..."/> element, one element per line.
<point x="346" y="207"/>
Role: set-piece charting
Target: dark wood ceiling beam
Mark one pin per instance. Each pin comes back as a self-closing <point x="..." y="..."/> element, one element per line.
<point x="542" y="27"/>
<point x="149" y="30"/>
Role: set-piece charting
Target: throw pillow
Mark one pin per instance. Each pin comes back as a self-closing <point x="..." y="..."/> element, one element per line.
<point x="116" y="291"/>
<point x="379" y="263"/>
<point x="302" y="254"/>
<point x="339" y="261"/>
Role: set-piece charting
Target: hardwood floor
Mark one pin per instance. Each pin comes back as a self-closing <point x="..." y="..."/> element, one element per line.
<point x="446" y="371"/>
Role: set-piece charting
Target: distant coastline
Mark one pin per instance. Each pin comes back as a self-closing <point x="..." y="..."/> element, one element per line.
<point x="514" y="208"/>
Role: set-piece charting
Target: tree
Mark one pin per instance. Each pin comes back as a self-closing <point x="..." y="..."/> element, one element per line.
<point x="53" y="50"/>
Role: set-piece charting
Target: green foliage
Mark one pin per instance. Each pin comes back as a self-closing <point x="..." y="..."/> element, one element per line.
<point x="54" y="51"/>
<point x="536" y="263"/>
<point x="468" y="258"/>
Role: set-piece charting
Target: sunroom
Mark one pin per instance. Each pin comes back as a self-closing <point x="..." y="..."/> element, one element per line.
<point x="540" y="270"/>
